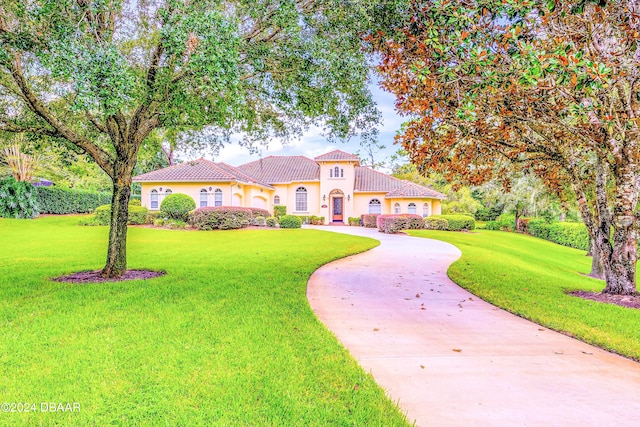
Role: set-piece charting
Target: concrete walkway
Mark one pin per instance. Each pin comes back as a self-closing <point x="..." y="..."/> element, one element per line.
<point x="450" y="359"/>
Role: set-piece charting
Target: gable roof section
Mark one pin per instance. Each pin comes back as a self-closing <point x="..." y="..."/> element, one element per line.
<point x="337" y="155"/>
<point x="200" y="170"/>
<point x="282" y="169"/>
<point x="412" y="190"/>
<point x="369" y="180"/>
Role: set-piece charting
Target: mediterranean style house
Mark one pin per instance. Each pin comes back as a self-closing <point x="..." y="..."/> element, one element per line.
<point x="333" y="186"/>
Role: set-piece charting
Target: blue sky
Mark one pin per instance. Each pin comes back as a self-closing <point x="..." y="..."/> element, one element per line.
<point x="313" y="144"/>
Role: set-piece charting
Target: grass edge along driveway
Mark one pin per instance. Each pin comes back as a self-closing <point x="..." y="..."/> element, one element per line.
<point x="226" y="338"/>
<point x="529" y="277"/>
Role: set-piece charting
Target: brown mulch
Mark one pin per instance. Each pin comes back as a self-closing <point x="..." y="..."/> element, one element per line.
<point x="95" y="277"/>
<point x="628" y="301"/>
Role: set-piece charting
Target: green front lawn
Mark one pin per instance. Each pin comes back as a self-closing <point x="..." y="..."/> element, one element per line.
<point x="226" y="338"/>
<point x="529" y="277"/>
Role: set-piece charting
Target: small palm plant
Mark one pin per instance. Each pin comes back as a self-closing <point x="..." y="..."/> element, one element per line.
<point x="21" y="165"/>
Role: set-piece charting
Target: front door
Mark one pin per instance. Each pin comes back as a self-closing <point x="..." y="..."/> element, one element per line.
<point x="337" y="209"/>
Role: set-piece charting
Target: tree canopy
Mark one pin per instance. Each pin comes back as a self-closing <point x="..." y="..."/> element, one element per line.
<point x="544" y="87"/>
<point x="102" y="75"/>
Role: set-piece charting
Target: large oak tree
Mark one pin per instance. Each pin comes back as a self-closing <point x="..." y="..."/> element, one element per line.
<point x="101" y="75"/>
<point x="545" y="87"/>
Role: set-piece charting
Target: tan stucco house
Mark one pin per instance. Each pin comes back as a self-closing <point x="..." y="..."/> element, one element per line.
<point x="332" y="185"/>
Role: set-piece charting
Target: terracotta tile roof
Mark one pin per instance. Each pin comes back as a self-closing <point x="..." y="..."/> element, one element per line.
<point x="200" y="170"/>
<point x="282" y="169"/>
<point x="411" y="189"/>
<point x="369" y="180"/>
<point x="337" y="155"/>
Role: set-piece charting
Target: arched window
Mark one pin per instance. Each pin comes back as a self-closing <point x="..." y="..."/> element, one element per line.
<point x="396" y="208"/>
<point x="204" y="198"/>
<point x="336" y="172"/>
<point x="167" y="191"/>
<point x="412" y="208"/>
<point x="375" y="207"/>
<point x="217" y="197"/>
<point x="301" y="199"/>
<point x="425" y="210"/>
<point x="154" y="199"/>
<point x="276" y="200"/>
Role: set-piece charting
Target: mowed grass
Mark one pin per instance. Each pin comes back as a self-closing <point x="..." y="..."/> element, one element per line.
<point x="529" y="277"/>
<point x="226" y="338"/>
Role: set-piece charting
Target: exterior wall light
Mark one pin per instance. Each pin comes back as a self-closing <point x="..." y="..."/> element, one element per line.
<point x="348" y="197"/>
<point x="324" y="197"/>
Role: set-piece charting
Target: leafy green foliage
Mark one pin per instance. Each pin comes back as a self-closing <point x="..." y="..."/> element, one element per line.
<point x="436" y="223"/>
<point x="177" y="206"/>
<point x="279" y="210"/>
<point x="354" y="221"/>
<point x="394" y="223"/>
<point x="17" y="199"/>
<point x="458" y="222"/>
<point x="58" y="200"/>
<point x="137" y="215"/>
<point x="369" y="220"/>
<point x="271" y="221"/>
<point x="290" y="221"/>
<point x="220" y="218"/>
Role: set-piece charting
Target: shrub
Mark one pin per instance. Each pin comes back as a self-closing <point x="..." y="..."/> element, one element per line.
<point x="489" y="214"/>
<point x="539" y="227"/>
<point x="572" y="234"/>
<point x="259" y="221"/>
<point x="135" y="202"/>
<point x="271" y="221"/>
<point x="153" y="215"/>
<point x="502" y="223"/>
<point x="391" y="224"/>
<point x="458" y="222"/>
<point x="56" y="200"/>
<point x="88" y="221"/>
<point x="159" y="222"/>
<point x="220" y="218"/>
<point x="177" y="206"/>
<point x="433" y="223"/>
<point x="369" y="220"/>
<point x="17" y="199"/>
<point x="290" y="221"/>
<point x="416" y="222"/>
<point x="260" y="212"/>
<point x="304" y="218"/>
<point x="279" y="210"/>
<point x="316" y="220"/>
<point x="355" y="221"/>
<point x="137" y="215"/>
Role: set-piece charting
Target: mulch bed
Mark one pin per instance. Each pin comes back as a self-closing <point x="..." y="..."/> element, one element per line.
<point x="629" y="301"/>
<point x="95" y="277"/>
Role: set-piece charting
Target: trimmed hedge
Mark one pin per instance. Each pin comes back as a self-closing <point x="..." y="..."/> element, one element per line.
<point x="260" y="212"/>
<point x="137" y="215"/>
<point x="290" y="221"/>
<point x="458" y="222"/>
<point x="572" y="234"/>
<point x="220" y="218"/>
<point x="502" y="223"/>
<point x="57" y="200"/>
<point x="369" y="220"/>
<point x="431" y="223"/>
<point x="177" y="206"/>
<point x="391" y="224"/>
<point x="354" y="221"/>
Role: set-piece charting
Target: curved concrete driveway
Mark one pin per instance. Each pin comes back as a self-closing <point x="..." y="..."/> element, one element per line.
<point x="450" y="359"/>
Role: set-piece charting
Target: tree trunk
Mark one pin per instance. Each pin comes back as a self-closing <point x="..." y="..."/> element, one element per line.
<point x="597" y="265"/>
<point x="621" y="275"/>
<point x="116" y="264"/>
